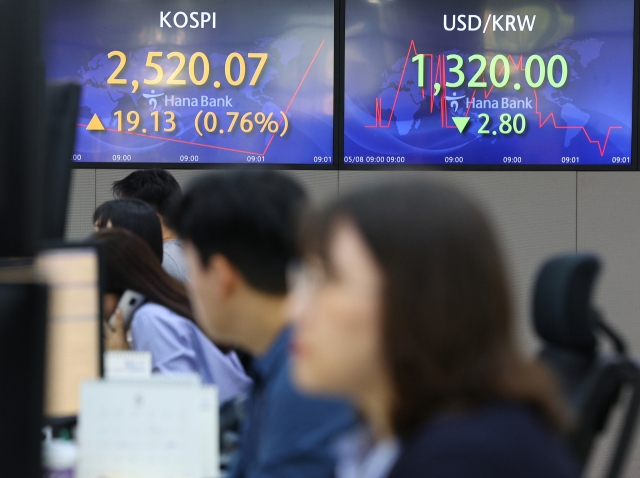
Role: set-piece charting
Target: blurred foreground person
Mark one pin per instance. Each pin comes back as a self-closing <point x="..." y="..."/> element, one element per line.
<point x="160" y="190"/>
<point x="239" y="235"/>
<point x="401" y="306"/>
<point x="163" y="325"/>
<point x="133" y="215"/>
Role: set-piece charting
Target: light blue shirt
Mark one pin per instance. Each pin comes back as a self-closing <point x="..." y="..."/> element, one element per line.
<point x="173" y="259"/>
<point x="360" y="456"/>
<point x="177" y="345"/>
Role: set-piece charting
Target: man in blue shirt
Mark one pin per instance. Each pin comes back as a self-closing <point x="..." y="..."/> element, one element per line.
<point x="238" y="231"/>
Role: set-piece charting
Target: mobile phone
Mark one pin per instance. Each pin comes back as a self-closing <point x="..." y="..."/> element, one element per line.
<point x="128" y="304"/>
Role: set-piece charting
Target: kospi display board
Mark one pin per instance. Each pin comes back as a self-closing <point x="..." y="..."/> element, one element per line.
<point x="197" y="82"/>
<point x="490" y="84"/>
<point x="476" y="84"/>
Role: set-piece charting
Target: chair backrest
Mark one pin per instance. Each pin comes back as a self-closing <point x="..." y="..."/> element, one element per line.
<point x="562" y="302"/>
<point x="569" y="326"/>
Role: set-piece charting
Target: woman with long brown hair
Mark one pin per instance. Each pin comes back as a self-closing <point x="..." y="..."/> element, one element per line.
<point x="164" y="324"/>
<point x="402" y="307"/>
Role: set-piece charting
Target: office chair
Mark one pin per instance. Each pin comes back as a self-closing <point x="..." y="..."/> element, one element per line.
<point x="573" y="332"/>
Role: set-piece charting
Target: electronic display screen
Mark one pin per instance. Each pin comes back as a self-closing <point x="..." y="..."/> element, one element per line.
<point x="490" y="83"/>
<point x="196" y="81"/>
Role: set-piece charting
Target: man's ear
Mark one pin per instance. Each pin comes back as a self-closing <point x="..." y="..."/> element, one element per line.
<point x="227" y="276"/>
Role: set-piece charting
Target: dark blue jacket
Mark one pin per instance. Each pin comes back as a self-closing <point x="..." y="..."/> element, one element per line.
<point x="498" y="441"/>
<point x="287" y="434"/>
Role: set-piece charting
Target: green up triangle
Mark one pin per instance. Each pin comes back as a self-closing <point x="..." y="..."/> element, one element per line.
<point x="461" y="122"/>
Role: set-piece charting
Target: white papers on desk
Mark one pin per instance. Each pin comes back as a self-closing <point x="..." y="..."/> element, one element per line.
<point x="127" y="365"/>
<point x="155" y="428"/>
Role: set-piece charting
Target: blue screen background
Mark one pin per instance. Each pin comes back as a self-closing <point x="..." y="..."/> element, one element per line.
<point x="387" y="116"/>
<point x="298" y="36"/>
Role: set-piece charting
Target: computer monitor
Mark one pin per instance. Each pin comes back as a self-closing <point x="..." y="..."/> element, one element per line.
<point x="74" y="331"/>
<point x="22" y="138"/>
<point x="22" y="330"/>
<point x="62" y="106"/>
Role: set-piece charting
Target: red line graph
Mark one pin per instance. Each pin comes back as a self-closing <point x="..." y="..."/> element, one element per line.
<point x="393" y="108"/>
<point x="173" y="140"/>
<point x="601" y="147"/>
<point x="440" y="77"/>
<point x="295" y="94"/>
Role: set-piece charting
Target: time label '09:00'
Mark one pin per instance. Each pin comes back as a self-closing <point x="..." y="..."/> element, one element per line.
<point x="374" y="160"/>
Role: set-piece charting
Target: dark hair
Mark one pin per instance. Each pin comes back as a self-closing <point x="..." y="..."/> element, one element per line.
<point x="248" y="217"/>
<point x="447" y="327"/>
<point x="156" y="187"/>
<point x="130" y="264"/>
<point x="133" y="215"/>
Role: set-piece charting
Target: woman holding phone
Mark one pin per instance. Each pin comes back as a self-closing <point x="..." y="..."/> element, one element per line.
<point x="163" y="324"/>
<point x="402" y="307"/>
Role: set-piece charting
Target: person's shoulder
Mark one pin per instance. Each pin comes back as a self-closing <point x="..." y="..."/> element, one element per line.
<point x="297" y="422"/>
<point x="174" y="261"/>
<point x="158" y="316"/>
<point x="289" y="395"/>
<point x="149" y="309"/>
<point x="173" y="245"/>
<point x="499" y="440"/>
<point x="171" y="251"/>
